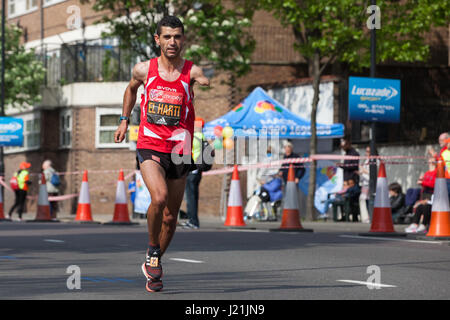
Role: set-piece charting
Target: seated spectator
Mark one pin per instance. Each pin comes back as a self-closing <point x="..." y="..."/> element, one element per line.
<point x="422" y="208"/>
<point x="348" y="200"/>
<point x="397" y="199"/>
<point x="337" y="196"/>
<point x="427" y="180"/>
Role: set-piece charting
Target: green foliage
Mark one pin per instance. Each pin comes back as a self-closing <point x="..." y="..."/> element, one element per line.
<point x="338" y="30"/>
<point x="220" y="36"/>
<point x="215" y="35"/>
<point x="24" y="74"/>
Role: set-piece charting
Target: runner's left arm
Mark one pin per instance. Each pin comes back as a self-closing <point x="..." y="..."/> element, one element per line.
<point x="198" y="76"/>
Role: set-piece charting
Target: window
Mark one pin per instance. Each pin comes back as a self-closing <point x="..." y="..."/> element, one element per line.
<point x="20" y="7"/>
<point x="31" y="133"/>
<point x="107" y="121"/>
<point x="65" y="129"/>
<point x="51" y="2"/>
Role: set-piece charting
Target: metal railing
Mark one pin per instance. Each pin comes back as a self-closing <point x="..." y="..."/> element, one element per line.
<point x="84" y="62"/>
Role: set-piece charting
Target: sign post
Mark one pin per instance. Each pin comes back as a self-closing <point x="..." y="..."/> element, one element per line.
<point x="375" y="100"/>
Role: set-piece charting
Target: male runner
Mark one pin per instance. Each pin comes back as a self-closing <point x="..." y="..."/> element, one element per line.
<point x="165" y="133"/>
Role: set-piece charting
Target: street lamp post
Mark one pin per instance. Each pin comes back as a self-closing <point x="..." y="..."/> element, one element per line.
<point x="373" y="163"/>
<point x="2" y="92"/>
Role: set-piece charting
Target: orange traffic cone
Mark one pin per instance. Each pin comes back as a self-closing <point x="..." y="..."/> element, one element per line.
<point x="2" y="212"/>
<point x="235" y="213"/>
<point x="440" y="210"/>
<point x="290" y="220"/>
<point x="121" y="207"/>
<point x="84" y="214"/>
<point x="43" y="206"/>
<point x="382" y="213"/>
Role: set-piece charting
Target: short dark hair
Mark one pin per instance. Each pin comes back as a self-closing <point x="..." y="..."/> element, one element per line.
<point x="396" y="187"/>
<point x="169" y="21"/>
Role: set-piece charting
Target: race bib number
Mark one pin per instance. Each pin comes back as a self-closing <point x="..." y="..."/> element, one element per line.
<point x="164" y="107"/>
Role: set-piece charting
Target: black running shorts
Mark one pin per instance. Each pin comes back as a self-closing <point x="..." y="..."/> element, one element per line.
<point x="172" y="170"/>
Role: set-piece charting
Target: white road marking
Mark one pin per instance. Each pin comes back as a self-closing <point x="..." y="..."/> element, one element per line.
<point x="248" y="230"/>
<point x="390" y="239"/>
<point x="53" y="240"/>
<point x="186" y="260"/>
<point x="372" y="284"/>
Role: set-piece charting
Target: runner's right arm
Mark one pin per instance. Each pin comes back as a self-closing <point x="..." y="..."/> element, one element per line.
<point x="129" y="98"/>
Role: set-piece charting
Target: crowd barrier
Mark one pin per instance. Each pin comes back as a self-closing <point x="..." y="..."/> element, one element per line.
<point x="296" y="162"/>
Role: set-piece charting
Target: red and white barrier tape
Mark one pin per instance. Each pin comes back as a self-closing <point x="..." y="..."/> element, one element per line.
<point x="307" y="160"/>
<point x="68" y="196"/>
<point x="229" y="169"/>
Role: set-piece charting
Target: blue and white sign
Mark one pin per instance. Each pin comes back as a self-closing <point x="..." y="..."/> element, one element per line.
<point x="11" y="132"/>
<point x="374" y="99"/>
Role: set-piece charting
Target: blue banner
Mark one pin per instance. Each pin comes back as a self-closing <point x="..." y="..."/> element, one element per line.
<point x="11" y="132"/>
<point x="374" y="99"/>
<point x="329" y="179"/>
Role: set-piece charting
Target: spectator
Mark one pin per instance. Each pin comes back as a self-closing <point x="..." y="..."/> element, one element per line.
<point x="427" y="180"/>
<point x="289" y="154"/>
<point x="132" y="192"/>
<point x="350" y="167"/>
<point x="364" y="179"/>
<point x="52" y="183"/>
<point x="446" y="157"/>
<point x="194" y="177"/>
<point x="266" y="174"/>
<point x="335" y="199"/>
<point x="23" y="182"/>
<point x="397" y="199"/>
<point x="422" y="208"/>
<point x="348" y="200"/>
<point x="442" y="144"/>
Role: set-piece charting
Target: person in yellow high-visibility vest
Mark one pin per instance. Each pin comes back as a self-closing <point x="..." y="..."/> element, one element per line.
<point x="194" y="178"/>
<point x="23" y="181"/>
<point x="446" y="157"/>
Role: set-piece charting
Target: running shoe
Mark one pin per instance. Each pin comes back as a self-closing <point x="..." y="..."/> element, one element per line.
<point x="153" y="285"/>
<point x="152" y="266"/>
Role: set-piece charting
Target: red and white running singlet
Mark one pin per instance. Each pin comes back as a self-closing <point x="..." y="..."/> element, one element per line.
<point x="167" y="112"/>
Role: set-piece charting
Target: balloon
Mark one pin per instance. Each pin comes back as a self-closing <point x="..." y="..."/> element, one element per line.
<point x="218" y="131"/>
<point x="228" y="143"/>
<point x="227" y="132"/>
<point x="217" y="144"/>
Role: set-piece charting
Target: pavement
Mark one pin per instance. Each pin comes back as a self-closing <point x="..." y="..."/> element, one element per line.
<point x="72" y="261"/>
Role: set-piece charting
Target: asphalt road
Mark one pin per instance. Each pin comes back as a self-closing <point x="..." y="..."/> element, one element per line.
<point x="216" y="263"/>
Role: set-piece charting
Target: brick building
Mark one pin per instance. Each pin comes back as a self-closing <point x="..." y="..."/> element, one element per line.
<point x="74" y="123"/>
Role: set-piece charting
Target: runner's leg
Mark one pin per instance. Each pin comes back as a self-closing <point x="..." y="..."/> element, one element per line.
<point x="176" y="189"/>
<point x="154" y="178"/>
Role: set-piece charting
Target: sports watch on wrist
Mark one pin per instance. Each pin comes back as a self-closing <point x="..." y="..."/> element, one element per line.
<point x="124" y="118"/>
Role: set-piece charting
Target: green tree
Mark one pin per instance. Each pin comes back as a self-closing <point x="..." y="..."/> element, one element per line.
<point x="215" y="35"/>
<point x="24" y="74"/>
<point x="329" y="31"/>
